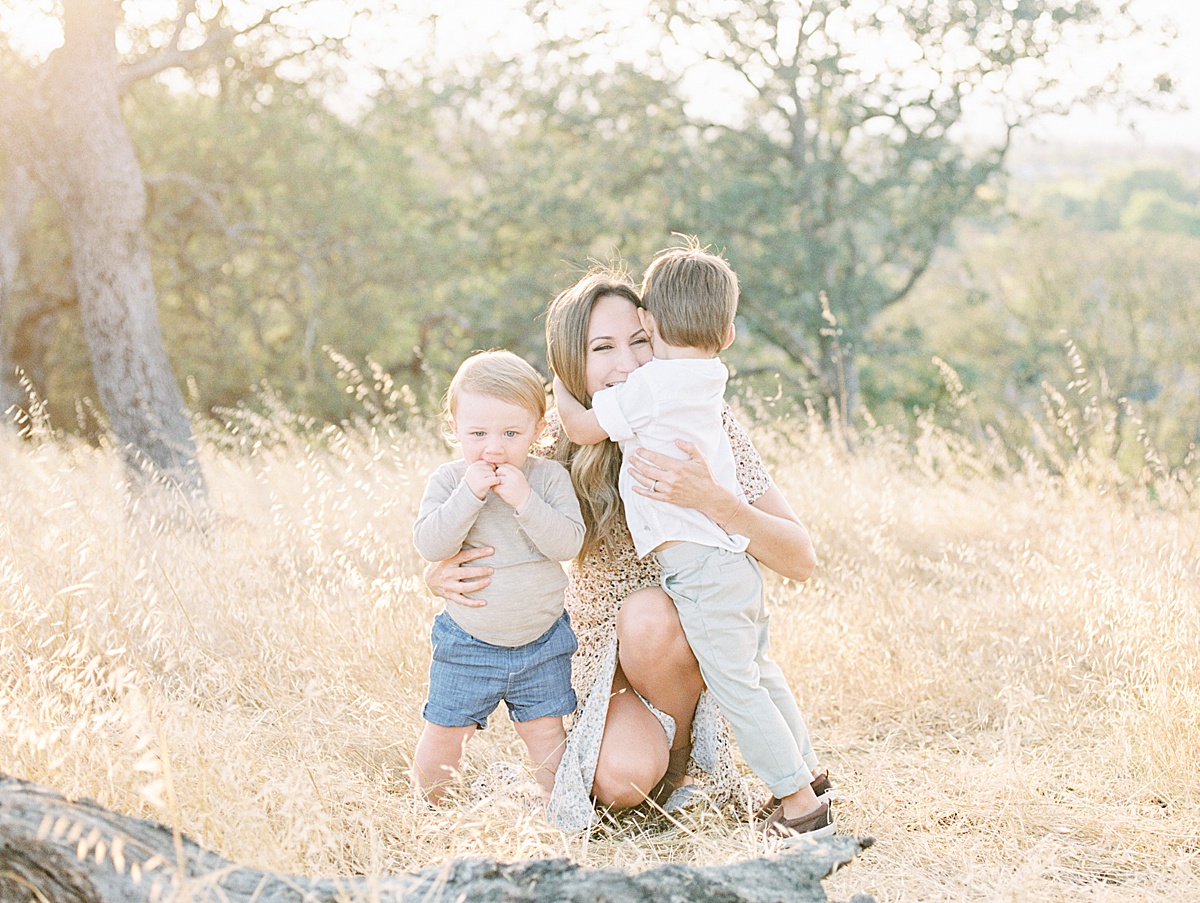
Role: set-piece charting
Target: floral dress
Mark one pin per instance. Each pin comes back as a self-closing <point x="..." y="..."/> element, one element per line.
<point x="593" y="598"/>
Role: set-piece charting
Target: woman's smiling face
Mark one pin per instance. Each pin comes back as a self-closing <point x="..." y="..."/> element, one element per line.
<point x="616" y="344"/>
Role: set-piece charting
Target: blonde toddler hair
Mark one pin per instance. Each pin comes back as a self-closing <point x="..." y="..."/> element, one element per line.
<point x="501" y="375"/>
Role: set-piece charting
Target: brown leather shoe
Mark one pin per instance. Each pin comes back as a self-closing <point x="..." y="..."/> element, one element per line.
<point x="821" y="787"/>
<point x="815" y="825"/>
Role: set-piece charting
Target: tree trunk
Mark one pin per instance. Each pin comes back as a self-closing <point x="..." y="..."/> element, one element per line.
<point x="20" y="191"/>
<point x="839" y="378"/>
<point x="54" y="850"/>
<point x="73" y="137"/>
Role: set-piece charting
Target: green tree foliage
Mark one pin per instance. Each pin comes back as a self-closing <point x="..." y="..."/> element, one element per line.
<point x="1156" y="211"/>
<point x="439" y="222"/>
<point x="278" y="230"/>
<point x="63" y="130"/>
<point x="853" y="163"/>
<point x="64" y="127"/>
<point x="1040" y="307"/>
<point x="441" y="218"/>
<point x="1134" y="198"/>
<point x="43" y="293"/>
<point x="282" y="230"/>
<point x="558" y="167"/>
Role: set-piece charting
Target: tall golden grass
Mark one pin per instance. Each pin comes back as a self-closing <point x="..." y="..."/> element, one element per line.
<point x="998" y="659"/>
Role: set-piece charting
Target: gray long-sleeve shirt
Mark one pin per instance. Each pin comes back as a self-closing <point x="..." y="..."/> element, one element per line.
<point x="525" y="596"/>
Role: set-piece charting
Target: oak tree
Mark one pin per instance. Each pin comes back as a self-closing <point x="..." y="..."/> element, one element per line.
<point x="836" y="142"/>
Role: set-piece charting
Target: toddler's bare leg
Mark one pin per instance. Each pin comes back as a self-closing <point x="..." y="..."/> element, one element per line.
<point x="435" y="763"/>
<point x="545" y="739"/>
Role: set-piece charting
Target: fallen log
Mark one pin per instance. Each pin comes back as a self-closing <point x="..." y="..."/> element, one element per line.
<point x="55" y="850"/>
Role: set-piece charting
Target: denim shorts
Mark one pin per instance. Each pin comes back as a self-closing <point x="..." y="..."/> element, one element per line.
<point x="468" y="677"/>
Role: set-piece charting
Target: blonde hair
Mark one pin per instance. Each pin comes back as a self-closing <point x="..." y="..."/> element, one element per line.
<point x="594" y="468"/>
<point x="692" y="294"/>
<point x="500" y="375"/>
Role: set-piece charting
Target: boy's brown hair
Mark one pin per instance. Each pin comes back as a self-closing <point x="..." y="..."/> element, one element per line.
<point x="692" y="294"/>
<point x="501" y="375"/>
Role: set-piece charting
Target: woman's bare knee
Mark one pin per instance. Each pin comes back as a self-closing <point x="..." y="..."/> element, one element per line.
<point x="648" y="619"/>
<point x="622" y="785"/>
<point x="652" y="648"/>
<point x="633" y="751"/>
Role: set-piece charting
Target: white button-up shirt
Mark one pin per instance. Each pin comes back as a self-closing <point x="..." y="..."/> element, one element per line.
<point x="660" y="402"/>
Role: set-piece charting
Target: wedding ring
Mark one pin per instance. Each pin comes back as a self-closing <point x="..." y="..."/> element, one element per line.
<point x="654" y="486"/>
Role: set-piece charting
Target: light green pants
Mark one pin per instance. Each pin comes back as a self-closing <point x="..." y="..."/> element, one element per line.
<point x="719" y="596"/>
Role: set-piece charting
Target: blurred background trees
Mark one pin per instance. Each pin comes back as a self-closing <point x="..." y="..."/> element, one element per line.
<point x="62" y="128"/>
<point x="1073" y="293"/>
<point x="849" y="163"/>
<point x="65" y="135"/>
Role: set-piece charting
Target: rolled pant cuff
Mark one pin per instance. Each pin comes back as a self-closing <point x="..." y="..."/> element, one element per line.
<point x="791" y="784"/>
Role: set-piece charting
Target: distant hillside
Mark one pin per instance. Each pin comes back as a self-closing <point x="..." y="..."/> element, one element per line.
<point x="1091" y="161"/>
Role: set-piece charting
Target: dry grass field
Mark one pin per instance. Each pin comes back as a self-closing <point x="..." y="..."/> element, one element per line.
<point x="998" y="663"/>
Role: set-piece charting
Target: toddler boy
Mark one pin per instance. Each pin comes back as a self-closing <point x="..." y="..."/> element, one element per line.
<point x="517" y="646"/>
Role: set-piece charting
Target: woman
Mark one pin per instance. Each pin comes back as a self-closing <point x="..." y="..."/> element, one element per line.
<point x="643" y="723"/>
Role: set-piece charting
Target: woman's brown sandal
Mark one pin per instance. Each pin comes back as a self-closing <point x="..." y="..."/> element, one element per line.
<point x="676" y="774"/>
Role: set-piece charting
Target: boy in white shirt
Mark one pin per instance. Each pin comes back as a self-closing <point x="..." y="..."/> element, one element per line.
<point x="690" y="299"/>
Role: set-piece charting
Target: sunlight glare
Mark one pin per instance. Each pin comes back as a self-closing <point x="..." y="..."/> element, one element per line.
<point x="450" y="34"/>
<point x="32" y="29"/>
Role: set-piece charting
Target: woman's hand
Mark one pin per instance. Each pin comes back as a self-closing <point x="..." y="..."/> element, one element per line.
<point x="777" y="538"/>
<point x="451" y="581"/>
<point x="688" y="482"/>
